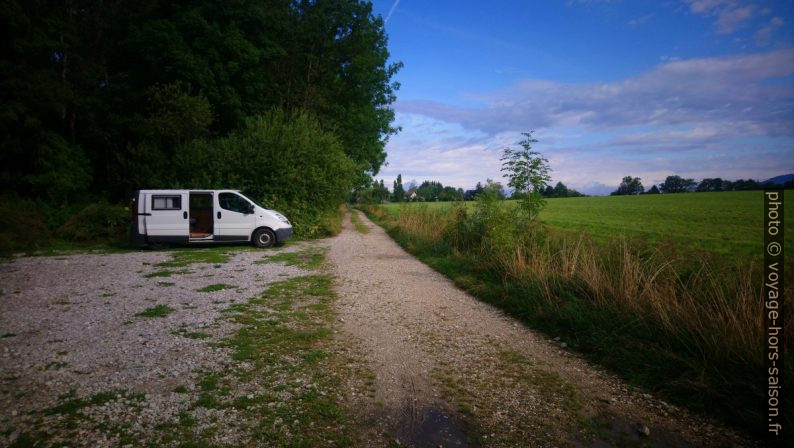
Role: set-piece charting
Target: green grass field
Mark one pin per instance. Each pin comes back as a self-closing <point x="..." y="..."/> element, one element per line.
<point x="725" y="222"/>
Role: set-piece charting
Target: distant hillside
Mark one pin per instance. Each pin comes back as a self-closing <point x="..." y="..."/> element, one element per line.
<point x="780" y="180"/>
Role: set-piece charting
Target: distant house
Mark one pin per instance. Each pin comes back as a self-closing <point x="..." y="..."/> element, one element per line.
<point x="411" y="194"/>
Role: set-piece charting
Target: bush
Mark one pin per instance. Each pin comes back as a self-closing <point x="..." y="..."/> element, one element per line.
<point x="100" y="221"/>
<point x="286" y="161"/>
<point x="22" y="225"/>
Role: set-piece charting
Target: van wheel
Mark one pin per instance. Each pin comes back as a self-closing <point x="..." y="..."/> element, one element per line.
<point x="264" y="238"/>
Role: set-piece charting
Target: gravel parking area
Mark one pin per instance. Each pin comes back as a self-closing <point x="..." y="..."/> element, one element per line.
<point x="117" y="338"/>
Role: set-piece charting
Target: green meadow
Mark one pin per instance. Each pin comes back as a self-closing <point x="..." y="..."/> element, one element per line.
<point x="728" y="222"/>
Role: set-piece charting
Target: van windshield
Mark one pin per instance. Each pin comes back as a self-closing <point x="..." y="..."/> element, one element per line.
<point x="252" y="201"/>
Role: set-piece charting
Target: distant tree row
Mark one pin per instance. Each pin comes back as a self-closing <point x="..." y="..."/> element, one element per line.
<point x="677" y="184"/>
<point x="433" y="191"/>
<point x="429" y="191"/>
<point x="560" y="191"/>
<point x="436" y="191"/>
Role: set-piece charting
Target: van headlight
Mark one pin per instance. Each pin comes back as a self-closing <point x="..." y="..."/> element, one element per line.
<point x="281" y="217"/>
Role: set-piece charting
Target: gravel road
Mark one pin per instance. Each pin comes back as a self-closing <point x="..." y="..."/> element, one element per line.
<point x="453" y="371"/>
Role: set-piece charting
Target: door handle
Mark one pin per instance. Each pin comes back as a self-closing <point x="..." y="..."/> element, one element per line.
<point x="219" y="215"/>
<point x="184" y="215"/>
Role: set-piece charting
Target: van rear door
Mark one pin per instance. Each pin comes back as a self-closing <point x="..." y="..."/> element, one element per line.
<point x="167" y="216"/>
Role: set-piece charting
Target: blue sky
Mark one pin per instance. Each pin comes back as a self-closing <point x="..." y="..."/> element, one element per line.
<point x="698" y="88"/>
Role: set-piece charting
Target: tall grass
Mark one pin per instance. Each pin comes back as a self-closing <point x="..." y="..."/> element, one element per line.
<point x="685" y="324"/>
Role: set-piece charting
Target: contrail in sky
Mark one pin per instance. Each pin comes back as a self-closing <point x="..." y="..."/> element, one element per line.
<point x="391" y="11"/>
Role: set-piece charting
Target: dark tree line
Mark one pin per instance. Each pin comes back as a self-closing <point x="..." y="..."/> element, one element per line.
<point x="110" y="96"/>
<point x="560" y="190"/>
<point x="677" y="184"/>
<point x="436" y="191"/>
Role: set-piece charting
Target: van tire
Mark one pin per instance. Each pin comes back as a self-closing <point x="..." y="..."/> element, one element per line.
<point x="264" y="238"/>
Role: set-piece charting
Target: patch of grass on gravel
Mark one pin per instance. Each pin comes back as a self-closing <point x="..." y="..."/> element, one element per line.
<point x="55" y="365"/>
<point x="69" y="404"/>
<point x="285" y="358"/>
<point x="357" y="223"/>
<point x="71" y="418"/>
<point x="215" y="287"/>
<point x="487" y="387"/>
<point x="189" y="255"/>
<point x="63" y="247"/>
<point x="166" y="273"/>
<point x="156" y="311"/>
<point x="184" y="332"/>
<point x="165" y="284"/>
<point x="310" y="258"/>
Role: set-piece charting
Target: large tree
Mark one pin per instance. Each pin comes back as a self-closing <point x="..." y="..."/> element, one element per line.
<point x="677" y="184"/>
<point x="710" y="184"/>
<point x="629" y="185"/>
<point x="398" y="193"/>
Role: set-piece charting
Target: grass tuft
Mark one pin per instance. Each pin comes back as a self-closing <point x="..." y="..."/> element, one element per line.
<point x="190" y="334"/>
<point x="186" y="256"/>
<point x="310" y="259"/>
<point x="156" y="311"/>
<point x="215" y="287"/>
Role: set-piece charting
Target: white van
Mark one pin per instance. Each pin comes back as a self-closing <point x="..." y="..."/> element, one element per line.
<point x="204" y="216"/>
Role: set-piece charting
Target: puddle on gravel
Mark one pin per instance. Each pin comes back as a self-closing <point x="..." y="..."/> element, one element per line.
<point x="435" y="428"/>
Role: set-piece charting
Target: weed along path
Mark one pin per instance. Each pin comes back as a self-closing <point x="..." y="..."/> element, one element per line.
<point x="450" y="370"/>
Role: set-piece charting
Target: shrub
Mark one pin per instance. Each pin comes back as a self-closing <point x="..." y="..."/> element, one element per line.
<point x="22" y="225"/>
<point x="287" y="161"/>
<point x="96" y="222"/>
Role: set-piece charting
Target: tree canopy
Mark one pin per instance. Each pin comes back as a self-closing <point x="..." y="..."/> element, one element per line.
<point x="629" y="185"/>
<point x="98" y="96"/>
<point x="560" y="190"/>
<point x="677" y="184"/>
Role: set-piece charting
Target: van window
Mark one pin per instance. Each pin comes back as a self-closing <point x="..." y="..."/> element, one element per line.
<point x="166" y="203"/>
<point x="233" y="202"/>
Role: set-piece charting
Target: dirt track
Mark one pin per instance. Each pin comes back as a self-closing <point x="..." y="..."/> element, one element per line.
<point x="453" y="371"/>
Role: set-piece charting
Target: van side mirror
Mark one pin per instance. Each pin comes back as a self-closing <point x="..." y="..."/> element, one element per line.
<point x="251" y="209"/>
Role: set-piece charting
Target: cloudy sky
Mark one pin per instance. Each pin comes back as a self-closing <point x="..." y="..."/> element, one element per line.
<point x="699" y="88"/>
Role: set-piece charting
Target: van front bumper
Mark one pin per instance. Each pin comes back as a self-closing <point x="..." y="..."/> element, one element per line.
<point x="283" y="234"/>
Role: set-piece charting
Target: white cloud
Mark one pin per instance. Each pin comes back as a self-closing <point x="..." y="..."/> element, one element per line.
<point x="730" y="14"/>
<point x="723" y="91"/>
<point x="732" y="19"/>
<point x="764" y="35"/>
